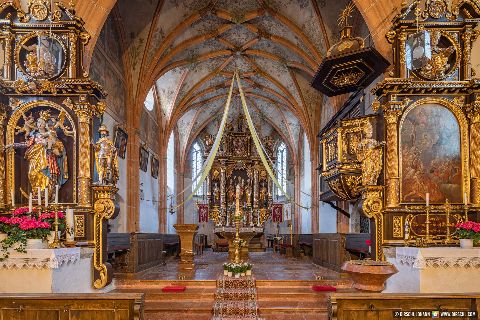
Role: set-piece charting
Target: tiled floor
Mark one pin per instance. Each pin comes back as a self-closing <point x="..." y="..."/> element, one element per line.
<point x="266" y="266"/>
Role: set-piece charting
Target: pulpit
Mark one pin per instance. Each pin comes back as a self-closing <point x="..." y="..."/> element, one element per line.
<point x="186" y="233"/>
<point x="434" y="270"/>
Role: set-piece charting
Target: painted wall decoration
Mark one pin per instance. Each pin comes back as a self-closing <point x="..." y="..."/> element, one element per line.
<point x="143" y="159"/>
<point x="431" y="155"/>
<point x="121" y="139"/>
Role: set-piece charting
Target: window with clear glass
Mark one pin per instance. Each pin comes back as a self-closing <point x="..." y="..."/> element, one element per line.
<point x="281" y="167"/>
<point x="197" y="161"/>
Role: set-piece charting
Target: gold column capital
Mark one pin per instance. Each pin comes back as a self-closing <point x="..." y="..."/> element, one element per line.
<point x="473" y="110"/>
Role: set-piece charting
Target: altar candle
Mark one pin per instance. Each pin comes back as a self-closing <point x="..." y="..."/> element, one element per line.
<point x="70" y="235"/>
<point x="56" y="193"/>
<point x="465" y="201"/>
<point x="30" y="204"/>
<point x="46" y="197"/>
<point x="12" y="196"/>
<point x="39" y="196"/>
<point x="237" y="208"/>
<point x="427" y="197"/>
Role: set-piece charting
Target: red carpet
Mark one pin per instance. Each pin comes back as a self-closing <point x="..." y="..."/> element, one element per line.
<point x="323" y="288"/>
<point x="173" y="289"/>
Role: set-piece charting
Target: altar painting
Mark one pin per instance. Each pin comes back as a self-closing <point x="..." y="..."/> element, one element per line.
<point x="431" y="155"/>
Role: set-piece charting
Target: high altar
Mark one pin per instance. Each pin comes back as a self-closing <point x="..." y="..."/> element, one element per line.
<point x="237" y="163"/>
<point x="413" y="165"/>
<point x="47" y="107"/>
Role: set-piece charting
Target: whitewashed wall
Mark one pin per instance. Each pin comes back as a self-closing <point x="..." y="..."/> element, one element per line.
<point x="149" y="203"/>
<point x="171" y="218"/>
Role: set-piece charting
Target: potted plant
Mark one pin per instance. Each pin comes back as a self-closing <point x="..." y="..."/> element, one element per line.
<point x="25" y="230"/>
<point x="249" y="269"/>
<point x="469" y="233"/>
<point x="225" y="269"/>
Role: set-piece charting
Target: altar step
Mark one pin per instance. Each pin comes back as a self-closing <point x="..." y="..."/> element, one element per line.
<point x="279" y="300"/>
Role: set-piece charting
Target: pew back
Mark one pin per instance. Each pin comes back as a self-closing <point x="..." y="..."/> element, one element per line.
<point x="105" y="306"/>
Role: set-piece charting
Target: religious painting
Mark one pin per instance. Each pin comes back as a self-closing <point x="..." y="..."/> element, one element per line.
<point x="431" y="155"/>
<point x="154" y="166"/>
<point x="143" y="159"/>
<point x="121" y="139"/>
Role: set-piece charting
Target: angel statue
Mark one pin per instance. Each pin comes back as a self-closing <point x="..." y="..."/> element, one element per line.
<point x="370" y="153"/>
<point x="106" y="158"/>
<point x="46" y="153"/>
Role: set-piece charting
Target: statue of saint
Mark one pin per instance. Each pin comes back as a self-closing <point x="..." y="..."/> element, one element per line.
<point x="370" y="153"/>
<point x="46" y="154"/>
<point x="216" y="193"/>
<point x="106" y="158"/>
<point x="231" y="192"/>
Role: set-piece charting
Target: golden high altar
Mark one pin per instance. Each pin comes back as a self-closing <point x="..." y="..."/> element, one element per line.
<point x="425" y="177"/>
<point x="47" y="105"/>
<point x="237" y="163"/>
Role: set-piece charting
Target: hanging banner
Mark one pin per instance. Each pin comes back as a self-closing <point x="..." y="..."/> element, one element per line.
<point x="277" y="212"/>
<point x="202" y="212"/>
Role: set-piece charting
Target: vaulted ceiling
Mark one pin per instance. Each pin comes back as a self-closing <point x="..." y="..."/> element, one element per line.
<point x="189" y="50"/>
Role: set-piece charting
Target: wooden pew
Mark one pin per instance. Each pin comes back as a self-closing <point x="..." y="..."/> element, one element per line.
<point x="355" y="244"/>
<point x="369" y="306"/>
<point x="118" y="245"/>
<point x="102" y="306"/>
<point x="305" y="242"/>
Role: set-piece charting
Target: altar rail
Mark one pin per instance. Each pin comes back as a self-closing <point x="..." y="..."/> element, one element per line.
<point x="368" y="306"/>
<point x="104" y="306"/>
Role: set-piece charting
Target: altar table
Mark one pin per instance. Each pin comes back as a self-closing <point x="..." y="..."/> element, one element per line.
<point x="63" y="270"/>
<point x="434" y="270"/>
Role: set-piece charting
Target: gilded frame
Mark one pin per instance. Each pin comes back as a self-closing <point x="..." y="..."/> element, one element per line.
<point x="20" y="44"/>
<point x="10" y="138"/>
<point x="464" y="140"/>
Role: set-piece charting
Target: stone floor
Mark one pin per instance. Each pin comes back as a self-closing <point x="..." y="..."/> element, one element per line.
<point x="266" y="266"/>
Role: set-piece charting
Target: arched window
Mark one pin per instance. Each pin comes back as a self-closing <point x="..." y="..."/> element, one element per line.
<point x="281" y="167"/>
<point x="149" y="101"/>
<point x="197" y="161"/>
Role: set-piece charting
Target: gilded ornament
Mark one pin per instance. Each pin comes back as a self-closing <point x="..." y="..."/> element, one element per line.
<point x="398" y="227"/>
<point x="79" y="226"/>
<point x="106" y="158"/>
<point x="38" y="10"/>
<point x="370" y="154"/>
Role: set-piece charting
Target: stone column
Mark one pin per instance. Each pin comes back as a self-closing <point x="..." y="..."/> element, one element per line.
<point x="392" y="177"/>
<point x="186" y="232"/>
<point x="84" y="114"/>
<point x="3" y="117"/>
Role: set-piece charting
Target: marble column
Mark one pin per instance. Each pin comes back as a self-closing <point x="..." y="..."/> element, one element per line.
<point x="186" y="233"/>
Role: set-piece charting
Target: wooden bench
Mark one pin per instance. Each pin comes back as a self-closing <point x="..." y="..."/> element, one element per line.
<point x="118" y="245"/>
<point x="305" y="243"/>
<point x="369" y="306"/>
<point x="355" y="244"/>
<point x="101" y="306"/>
<point x="171" y="244"/>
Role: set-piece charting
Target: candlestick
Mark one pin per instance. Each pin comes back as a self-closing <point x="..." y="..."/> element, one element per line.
<point x="57" y="187"/>
<point x="56" y="242"/>
<point x="30" y="204"/>
<point x="39" y="196"/>
<point x="12" y="196"/>
<point x="46" y="197"/>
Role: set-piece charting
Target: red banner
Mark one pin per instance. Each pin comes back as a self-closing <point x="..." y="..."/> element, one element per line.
<point x="277" y="212"/>
<point x="202" y="212"/>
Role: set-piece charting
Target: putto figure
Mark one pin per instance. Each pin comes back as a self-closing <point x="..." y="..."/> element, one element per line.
<point x="370" y="154"/>
<point x="106" y="158"/>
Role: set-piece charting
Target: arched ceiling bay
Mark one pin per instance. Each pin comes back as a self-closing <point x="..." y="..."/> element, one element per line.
<point x="189" y="49"/>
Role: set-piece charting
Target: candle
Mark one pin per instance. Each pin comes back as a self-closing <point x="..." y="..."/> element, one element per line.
<point x="465" y="200"/>
<point x="12" y="196"/>
<point x="57" y="187"/>
<point x="427" y="197"/>
<point x="70" y="234"/>
<point x="39" y="196"/>
<point x="237" y="208"/>
<point x="46" y="197"/>
<point x="30" y="204"/>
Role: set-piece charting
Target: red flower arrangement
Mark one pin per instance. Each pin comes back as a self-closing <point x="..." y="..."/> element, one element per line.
<point x="23" y="225"/>
<point x="468" y="230"/>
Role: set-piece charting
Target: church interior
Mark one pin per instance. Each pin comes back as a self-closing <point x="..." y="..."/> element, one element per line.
<point x="255" y="159"/>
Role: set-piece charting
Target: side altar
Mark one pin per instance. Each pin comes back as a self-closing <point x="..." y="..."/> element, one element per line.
<point x="48" y="155"/>
<point x="433" y="270"/>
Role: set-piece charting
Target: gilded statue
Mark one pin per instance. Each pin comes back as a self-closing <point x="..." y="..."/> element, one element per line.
<point x="231" y="192"/>
<point x="437" y="65"/>
<point x="106" y="158"/>
<point x="263" y="194"/>
<point x="370" y="154"/>
<point x="248" y="194"/>
<point x="209" y="140"/>
<point x="216" y="193"/>
<point x="39" y="61"/>
<point x="45" y="152"/>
